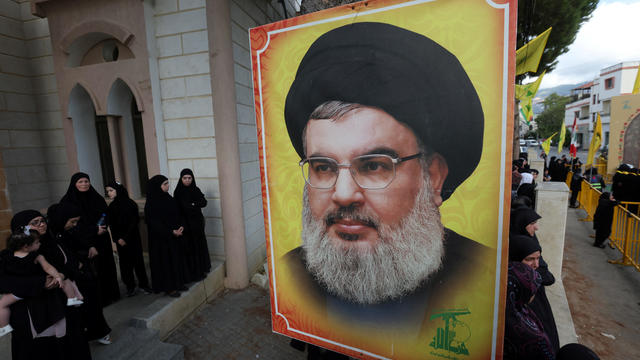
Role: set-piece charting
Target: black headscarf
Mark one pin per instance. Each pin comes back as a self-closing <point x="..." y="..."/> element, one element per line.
<point x="160" y="204"/>
<point x="59" y="214"/>
<point x="521" y="246"/>
<point x="22" y="219"/>
<point x="90" y="202"/>
<point x="520" y="218"/>
<point x="191" y="192"/>
<point x="122" y="194"/>
<point x="525" y="337"/>
<point x="406" y="74"/>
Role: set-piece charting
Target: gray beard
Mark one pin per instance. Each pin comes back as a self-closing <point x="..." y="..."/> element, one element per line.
<point x="405" y="256"/>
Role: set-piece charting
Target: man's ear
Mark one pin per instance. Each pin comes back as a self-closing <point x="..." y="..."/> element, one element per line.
<point x="438" y="171"/>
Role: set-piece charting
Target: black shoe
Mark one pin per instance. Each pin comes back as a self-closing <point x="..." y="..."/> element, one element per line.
<point x="131" y="293"/>
<point x="146" y="290"/>
<point x="183" y="288"/>
<point x="173" y="294"/>
<point x="601" y="246"/>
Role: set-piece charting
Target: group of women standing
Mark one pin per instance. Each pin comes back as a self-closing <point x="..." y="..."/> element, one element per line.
<point x="75" y="241"/>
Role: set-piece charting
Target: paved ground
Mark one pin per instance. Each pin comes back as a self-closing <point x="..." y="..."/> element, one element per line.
<point x="604" y="298"/>
<point x="237" y="325"/>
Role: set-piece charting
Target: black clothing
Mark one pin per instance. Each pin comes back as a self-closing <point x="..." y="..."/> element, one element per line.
<point x="576" y="185"/>
<point x="528" y="190"/>
<point x="123" y="222"/>
<point x="603" y="218"/>
<point x="190" y="200"/>
<point x="166" y="254"/>
<point x="93" y="207"/>
<point x="542" y="308"/>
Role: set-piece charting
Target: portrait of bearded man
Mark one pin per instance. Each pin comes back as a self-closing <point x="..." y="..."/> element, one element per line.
<point x="372" y="113"/>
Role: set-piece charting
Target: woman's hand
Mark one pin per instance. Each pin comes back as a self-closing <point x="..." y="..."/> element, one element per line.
<point x="121" y="242"/>
<point x="92" y="253"/>
<point x="178" y="232"/>
<point x="50" y="283"/>
<point x="102" y="229"/>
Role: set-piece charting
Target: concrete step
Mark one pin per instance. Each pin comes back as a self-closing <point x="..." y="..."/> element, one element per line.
<point x="136" y="343"/>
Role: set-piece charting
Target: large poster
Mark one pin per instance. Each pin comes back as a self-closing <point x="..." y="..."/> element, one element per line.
<point x="384" y="131"/>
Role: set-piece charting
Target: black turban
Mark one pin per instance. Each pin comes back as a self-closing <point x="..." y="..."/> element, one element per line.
<point x="407" y="75"/>
<point x="23" y="218"/>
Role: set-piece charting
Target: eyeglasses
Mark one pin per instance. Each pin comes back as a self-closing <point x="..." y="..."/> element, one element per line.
<point x="37" y="222"/>
<point x="374" y="171"/>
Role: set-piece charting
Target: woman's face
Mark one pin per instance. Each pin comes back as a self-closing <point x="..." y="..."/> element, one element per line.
<point x="532" y="228"/>
<point x="83" y="184"/>
<point x="71" y="223"/>
<point x="187" y="180"/>
<point x="165" y="186"/>
<point x="111" y="192"/>
<point x="38" y="224"/>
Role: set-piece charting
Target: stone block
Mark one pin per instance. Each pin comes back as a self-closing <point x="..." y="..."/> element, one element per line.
<point x="25" y="192"/>
<point x="214" y="282"/>
<point x="36" y="28"/>
<point x="213" y="208"/>
<point x="4" y="200"/>
<point x="194" y="42"/>
<point x="250" y="170"/>
<point x="47" y="102"/>
<point x="44" y="84"/>
<point x="25" y="11"/>
<point x="5" y="139"/>
<point x="201" y="127"/>
<point x="165" y="6"/>
<point x="252" y="207"/>
<point x="53" y="138"/>
<point x="246" y="114"/>
<point x="55" y="155"/>
<point x="247" y="134"/>
<point x="239" y="16"/>
<point x="176" y="129"/>
<point x="198" y="85"/>
<point x="11" y="27"/>
<point x="191" y="149"/>
<point x="25" y="138"/>
<point x="3" y="103"/>
<point x="10" y="9"/>
<point x="42" y="65"/>
<point x="561" y="312"/>
<point x="253" y="224"/>
<point x="187" y="107"/>
<point x="10" y="174"/>
<point x="57" y="189"/>
<point x="240" y="35"/>
<point x="248" y="152"/>
<point x="32" y="174"/>
<point x="551" y="204"/>
<point x="205" y="168"/>
<point x="58" y="172"/>
<point x="14" y="65"/>
<point x="22" y="157"/>
<point x="15" y="83"/>
<point x="11" y="46"/>
<point x="213" y="227"/>
<point x="244" y="95"/>
<point x="216" y="246"/>
<point x="169" y="46"/>
<point x="242" y="75"/>
<point x="190" y="4"/>
<point x="210" y="187"/>
<point x="241" y="56"/>
<point x="50" y="120"/>
<point x="255" y="10"/>
<point x="5" y="220"/>
<point x="39" y="47"/>
<point x="251" y="189"/>
<point x="195" y="64"/>
<point x="181" y="22"/>
<point x="175" y="166"/>
<point x="20" y="102"/>
<point x="172" y="88"/>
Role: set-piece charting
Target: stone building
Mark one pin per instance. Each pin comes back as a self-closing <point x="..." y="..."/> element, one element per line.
<point x="126" y="89"/>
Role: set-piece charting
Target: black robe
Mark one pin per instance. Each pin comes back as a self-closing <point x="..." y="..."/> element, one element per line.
<point x="166" y="254"/>
<point x="123" y="223"/>
<point x="93" y="207"/>
<point x="603" y="218"/>
<point x="190" y="201"/>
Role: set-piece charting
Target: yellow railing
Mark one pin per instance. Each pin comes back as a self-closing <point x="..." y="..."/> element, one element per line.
<point x="625" y="229"/>
<point x="625" y="236"/>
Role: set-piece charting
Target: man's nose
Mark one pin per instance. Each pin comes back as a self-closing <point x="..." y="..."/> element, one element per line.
<point x="346" y="191"/>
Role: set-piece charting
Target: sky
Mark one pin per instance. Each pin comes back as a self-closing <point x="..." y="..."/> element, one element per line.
<point x="611" y="36"/>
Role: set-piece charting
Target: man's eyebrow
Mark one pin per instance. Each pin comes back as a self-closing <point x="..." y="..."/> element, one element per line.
<point x="382" y="151"/>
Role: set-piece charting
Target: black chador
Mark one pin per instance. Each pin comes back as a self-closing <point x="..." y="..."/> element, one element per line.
<point x="123" y="222"/>
<point x="93" y="206"/>
<point x="190" y="201"/>
<point x="166" y="255"/>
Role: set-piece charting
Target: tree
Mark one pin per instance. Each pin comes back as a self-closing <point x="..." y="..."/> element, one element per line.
<point x="565" y="16"/>
<point x="552" y="117"/>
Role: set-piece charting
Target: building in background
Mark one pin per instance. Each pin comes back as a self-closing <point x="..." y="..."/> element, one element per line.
<point x="125" y="90"/>
<point x="595" y="97"/>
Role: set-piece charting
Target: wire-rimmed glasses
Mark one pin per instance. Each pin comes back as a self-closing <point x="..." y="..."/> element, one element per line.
<point x="371" y="171"/>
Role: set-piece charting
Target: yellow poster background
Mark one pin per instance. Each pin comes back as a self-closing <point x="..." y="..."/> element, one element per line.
<point x="479" y="34"/>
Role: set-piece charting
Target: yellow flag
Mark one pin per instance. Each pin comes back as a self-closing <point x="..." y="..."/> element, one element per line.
<point x="636" y="85"/>
<point x="526" y="110"/>
<point x="528" y="56"/>
<point x="528" y="91"/>
<point x="596" y="140"/>
<point x="546" y="145"/>
<point x="563" y="133"/>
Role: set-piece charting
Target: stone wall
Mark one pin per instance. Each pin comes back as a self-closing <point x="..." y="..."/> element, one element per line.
<point x="31" y="136"/>
<point x="180" y="30"/>
<point x="5" y="209"/>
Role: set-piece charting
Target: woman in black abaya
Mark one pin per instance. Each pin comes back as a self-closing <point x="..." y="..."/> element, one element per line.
<point x="94" y="236"/>
<point x="123" y="222"/>
<point x="190" y="200"/>
<point x="166" y="255"/>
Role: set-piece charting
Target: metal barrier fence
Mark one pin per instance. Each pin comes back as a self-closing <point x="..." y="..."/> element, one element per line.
<point x="625" y="229"/>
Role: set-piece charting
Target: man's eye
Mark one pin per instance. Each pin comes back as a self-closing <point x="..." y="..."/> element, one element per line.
<point x="371" y="166"/>
<point x="322" y="167"/>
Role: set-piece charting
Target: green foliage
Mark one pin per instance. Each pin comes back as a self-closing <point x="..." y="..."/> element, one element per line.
<point x="552" y="117"/>
<point x="565" y="16"/>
